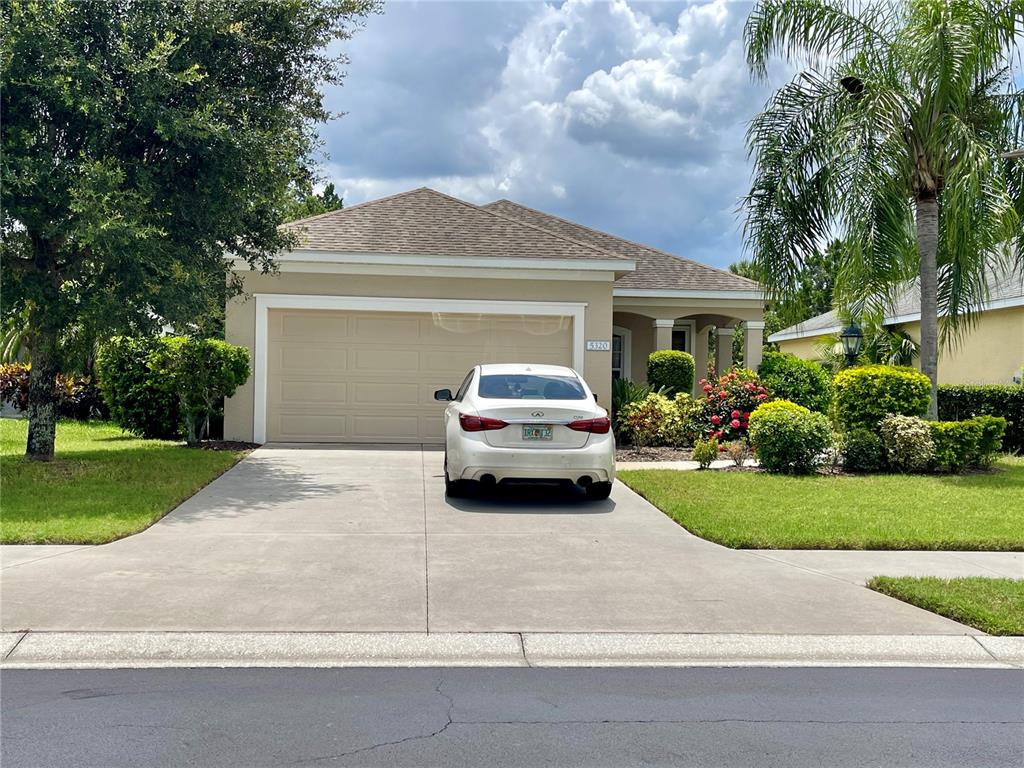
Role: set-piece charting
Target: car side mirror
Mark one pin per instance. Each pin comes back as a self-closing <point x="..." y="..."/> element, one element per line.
<point x="443" y="395"/>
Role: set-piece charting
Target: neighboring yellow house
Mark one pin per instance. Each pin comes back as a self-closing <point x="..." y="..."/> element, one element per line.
<point x="991" y="352"/>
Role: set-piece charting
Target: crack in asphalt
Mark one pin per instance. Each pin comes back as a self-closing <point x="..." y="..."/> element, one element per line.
<point x="418" y="737"/>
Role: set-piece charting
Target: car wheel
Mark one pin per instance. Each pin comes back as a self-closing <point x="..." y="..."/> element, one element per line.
<point x="598" y="491"/>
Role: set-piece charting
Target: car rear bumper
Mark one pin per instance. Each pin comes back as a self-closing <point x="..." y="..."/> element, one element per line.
<point x="595" y="460"/>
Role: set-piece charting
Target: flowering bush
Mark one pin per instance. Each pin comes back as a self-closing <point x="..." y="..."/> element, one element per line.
<point x="908" y="442"/>
<point x="724" y="409"/>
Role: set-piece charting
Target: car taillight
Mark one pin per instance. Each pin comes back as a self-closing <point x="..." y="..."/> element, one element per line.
<point x="597" y="426"/>
<point x="480" y="423"/>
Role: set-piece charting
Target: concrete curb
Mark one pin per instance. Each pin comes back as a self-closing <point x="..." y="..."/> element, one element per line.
<point x="92" y="650"/>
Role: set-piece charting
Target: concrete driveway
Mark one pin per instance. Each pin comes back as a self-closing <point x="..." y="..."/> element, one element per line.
<point x="363" y="539"/>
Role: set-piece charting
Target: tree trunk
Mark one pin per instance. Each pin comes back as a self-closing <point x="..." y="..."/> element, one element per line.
<point x="42" y="395"/>
<point x="927" y="246"/>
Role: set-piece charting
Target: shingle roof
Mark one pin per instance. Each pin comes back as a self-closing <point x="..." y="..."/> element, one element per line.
<point x="428" y="223"/>
<point x="654" y="269"/>
<point x="1003" y="285"/>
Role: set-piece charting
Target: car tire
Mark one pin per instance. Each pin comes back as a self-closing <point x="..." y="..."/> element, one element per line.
<point x="598" y="491"/>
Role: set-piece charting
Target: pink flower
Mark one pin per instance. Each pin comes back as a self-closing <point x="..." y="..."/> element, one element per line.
<point x="735" y="423"/>
<point x="721" y="448"/>
<point x="716" y="420"/>
<point x="722" y="395"/>
<point x="708" y="387"/>
<point x="735" y="414"/>
<point x="719" y="434"/>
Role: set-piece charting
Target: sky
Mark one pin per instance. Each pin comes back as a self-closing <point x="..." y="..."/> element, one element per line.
<point x="624" y="116"/>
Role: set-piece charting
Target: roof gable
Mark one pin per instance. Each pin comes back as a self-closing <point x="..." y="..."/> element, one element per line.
<point x="655" y="269"/>
<point x="424" y="222"/>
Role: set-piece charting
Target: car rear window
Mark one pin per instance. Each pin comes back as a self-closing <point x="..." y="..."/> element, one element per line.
<point x="528" y="386"/>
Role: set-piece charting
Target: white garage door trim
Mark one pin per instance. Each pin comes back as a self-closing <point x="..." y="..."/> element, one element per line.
<point x="267" y="301"/>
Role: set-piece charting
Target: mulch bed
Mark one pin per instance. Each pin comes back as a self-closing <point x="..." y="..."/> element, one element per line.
<point x="227" y="445"/>
<point x="632" y="453"/>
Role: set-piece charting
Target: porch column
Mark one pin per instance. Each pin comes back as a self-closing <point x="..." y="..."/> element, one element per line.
<point x="700" y="358"/>
<point x="723" y="348"/>
<point x="663" y="334"/>
<point x="753" y="341"/>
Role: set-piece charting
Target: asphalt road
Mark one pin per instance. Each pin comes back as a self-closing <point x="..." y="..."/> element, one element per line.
<point x="513" y="717"/>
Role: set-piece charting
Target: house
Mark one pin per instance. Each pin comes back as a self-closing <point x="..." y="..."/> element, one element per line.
<point x="384" y="302"/>
<point x="990" y="352"/>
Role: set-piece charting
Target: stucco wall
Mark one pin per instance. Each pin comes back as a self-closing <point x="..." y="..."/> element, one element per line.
<point x="990" y="353"/>
<point x="240" y="321"/>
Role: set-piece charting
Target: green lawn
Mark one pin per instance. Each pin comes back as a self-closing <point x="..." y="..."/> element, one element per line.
<point x="995" y="606"/>
<point x="102" y="484"/>
<point x="749" y="510"/>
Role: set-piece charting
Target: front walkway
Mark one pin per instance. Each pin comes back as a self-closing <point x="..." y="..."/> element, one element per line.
<point x="342" y="539"/>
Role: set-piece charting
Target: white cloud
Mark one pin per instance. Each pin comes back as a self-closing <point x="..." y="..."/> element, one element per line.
<point x="598" y="111"/>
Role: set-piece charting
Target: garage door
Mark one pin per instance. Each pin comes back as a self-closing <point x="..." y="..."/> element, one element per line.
<point x="337" y="376"/>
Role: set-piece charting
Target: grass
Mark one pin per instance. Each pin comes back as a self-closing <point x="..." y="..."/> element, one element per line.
<point x="753" y="510"/>
<point x="102" y="485"/>
<point x="995" y="606"/>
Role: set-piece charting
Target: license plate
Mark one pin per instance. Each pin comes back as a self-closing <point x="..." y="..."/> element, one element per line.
<point x="536" y="432"/>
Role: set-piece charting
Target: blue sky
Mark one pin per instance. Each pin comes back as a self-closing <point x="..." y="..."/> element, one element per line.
<point x="628" y="117"/>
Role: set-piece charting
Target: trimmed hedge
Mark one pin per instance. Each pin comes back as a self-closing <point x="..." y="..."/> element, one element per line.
<point x="800" y="381"/>
<point x="866" y="394"/>
<point x="788" y="437"/>
<point x="863" y="451"/>
<point x="908" y="442"/>
<point x="962" y="401"/>
<point x="671" y="369"/>
<point x="969" y="443"/>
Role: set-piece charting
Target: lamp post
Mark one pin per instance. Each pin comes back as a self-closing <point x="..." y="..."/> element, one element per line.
<point x="853" y="341"/>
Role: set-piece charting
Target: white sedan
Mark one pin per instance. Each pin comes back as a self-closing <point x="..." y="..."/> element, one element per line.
<point x="526" y="422"/>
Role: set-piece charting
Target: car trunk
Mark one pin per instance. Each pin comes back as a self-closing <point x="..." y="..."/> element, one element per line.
<point x="537" y="424"/>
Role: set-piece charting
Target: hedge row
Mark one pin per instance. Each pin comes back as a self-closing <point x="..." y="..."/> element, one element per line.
<point x="962" y="401"/>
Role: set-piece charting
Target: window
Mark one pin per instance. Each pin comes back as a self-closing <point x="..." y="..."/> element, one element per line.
<point x="464" y="386"/>
<point x="617" y="350"/>
<point x="679" y="339"/>
<point x="529" y="386"/>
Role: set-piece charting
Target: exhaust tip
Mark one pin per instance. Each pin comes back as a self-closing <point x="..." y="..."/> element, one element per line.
<point x="488" y="480"/>
<point x="585" y="481"/>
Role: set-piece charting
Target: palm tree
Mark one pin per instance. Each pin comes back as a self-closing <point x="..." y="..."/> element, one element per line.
<point x="889" y="138"/>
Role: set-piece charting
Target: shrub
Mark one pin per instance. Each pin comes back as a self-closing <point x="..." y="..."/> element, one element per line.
<point x="956" y="443"/>
<point x="652" y="421"/>
<point x="724" y="409"/>
<point x="908" y="443"/>
<point x="78" y="397"/>
<point x="203" y="372"/>
<point x="705" y="451"/>
<point x="866" y="394"/>
<point x="993" y="432"/>
<point x="963" y="401"/>
<point x="140" y="401"/>
<point x="862" y="451"/>
<point x="780" y="405"/>
<point x="625" y="392"/>
<point x="801" y="381"/>
<point x="789" y="438"/>
<point x="14" y="385"/>
<point x="738" y="451"/>
<point x="165" y="386"/>
<point x="968" y="443"/>
<point x="671" y="369"/>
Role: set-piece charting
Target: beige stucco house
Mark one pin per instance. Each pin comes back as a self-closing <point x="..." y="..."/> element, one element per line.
<point x="385" y="302"/>
<point x="990" y="352"/>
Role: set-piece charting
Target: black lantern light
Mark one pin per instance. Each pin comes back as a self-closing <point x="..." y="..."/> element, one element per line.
<point x="853" y="341"/>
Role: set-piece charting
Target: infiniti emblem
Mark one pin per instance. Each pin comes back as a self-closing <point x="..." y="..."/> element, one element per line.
<point x="537" y="413"/>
